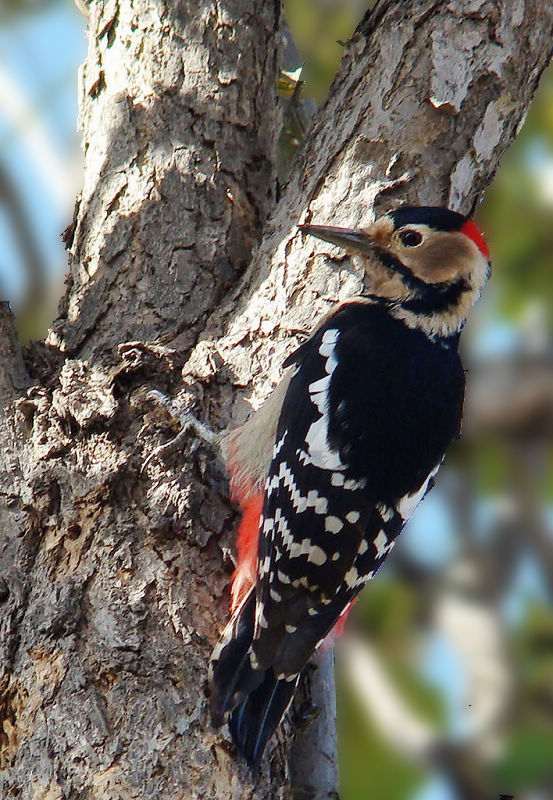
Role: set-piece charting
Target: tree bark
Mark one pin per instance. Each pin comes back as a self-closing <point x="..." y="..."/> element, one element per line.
<point x="114" y="579"/>
<point x="178" y="112"/>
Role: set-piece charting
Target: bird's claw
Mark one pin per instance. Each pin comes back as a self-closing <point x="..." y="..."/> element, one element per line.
<point x="187" y="421"/>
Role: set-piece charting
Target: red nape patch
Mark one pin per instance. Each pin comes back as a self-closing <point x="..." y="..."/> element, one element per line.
<point x="470" y="230"/>
<point x="247" y="540"/>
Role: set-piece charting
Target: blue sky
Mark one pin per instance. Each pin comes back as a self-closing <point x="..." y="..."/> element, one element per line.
<point x="39" y="57"/>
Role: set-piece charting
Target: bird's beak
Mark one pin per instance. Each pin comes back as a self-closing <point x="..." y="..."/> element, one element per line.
<point x="349" y="238"/>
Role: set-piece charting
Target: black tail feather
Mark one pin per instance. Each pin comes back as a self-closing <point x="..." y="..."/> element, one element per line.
<point x="253" y="722"/>
<point x="256" y="698"/>
<point x="231" y="674"/>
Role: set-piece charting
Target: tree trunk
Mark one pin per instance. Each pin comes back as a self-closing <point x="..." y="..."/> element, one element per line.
<point x="114" y="580"/>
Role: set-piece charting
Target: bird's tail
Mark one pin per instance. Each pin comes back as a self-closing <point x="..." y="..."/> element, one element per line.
<point x="253" y="722"/>
<point x="256" y="698"/>
<point x="231" y="674"/>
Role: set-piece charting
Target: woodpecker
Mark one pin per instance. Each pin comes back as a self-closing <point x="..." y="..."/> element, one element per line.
<point x="329" y="470"/>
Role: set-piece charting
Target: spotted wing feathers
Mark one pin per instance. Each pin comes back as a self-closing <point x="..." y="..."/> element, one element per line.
<point x="358" y="439"/>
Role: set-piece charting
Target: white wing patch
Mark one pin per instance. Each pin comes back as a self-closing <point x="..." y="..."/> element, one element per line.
<point x="319" y="454"/>
<point x="409" y="502"/>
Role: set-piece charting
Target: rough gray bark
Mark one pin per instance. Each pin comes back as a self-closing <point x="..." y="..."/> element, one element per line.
<point x="115" y="585"/>
<point x="178" y="112"/>
<point x="115" y="580"/>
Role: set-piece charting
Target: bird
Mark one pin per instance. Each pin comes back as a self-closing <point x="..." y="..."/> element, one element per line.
<point x="328" y="471"/>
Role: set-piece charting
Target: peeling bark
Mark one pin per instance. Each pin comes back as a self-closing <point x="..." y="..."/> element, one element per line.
<point x="113" y="580"/>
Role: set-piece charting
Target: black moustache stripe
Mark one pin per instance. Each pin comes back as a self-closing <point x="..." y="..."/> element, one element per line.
<point x="437" y="297"/>
<point x="429" y="297"/>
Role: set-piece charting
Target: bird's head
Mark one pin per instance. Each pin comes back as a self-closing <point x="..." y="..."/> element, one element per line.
<point x="430" y="263"/>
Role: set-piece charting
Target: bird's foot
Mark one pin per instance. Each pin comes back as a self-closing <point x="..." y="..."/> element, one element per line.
<point x="188" y="423"/>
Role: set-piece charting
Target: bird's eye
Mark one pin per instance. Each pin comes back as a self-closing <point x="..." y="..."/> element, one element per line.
<point x="410" y="238"/>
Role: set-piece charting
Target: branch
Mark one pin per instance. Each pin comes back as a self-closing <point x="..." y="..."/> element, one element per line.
<point x="422" y="108"/>
<point x="13" y="378"/>
<point x="179" y="113"/>
<point x="313" y="758"/>
<point x="26" y="124"/>
<point x="13" y="375"/>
